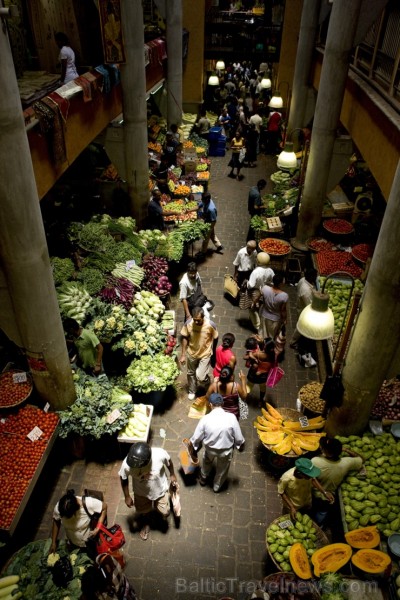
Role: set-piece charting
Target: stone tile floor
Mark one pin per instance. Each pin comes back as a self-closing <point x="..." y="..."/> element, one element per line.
<point x="217" y="548"/>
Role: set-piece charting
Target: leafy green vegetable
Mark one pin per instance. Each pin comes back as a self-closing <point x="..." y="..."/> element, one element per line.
<point x="95" y="237"/>
<point x="92" y="279"/>
<point x="152" y="373"/>
<point x="63" y="269"/>
<point x="36" y="582"/>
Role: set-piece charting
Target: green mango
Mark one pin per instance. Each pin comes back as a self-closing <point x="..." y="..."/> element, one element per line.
<point x="278" y="557"/>
<point x="273" y="548"/>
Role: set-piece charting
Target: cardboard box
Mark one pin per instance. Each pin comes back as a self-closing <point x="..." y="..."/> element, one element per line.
<point x="274" y="224"/>
<point x="149" y="412"/>
<point x="190" y="166"/>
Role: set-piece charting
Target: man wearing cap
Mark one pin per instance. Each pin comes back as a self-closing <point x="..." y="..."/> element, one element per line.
<point x="295" y="486"/>
<point x="245" y="262"/>
<point x="219" y="432"/>
<point x="262" y="275"/>
<point x="148" y="469"/>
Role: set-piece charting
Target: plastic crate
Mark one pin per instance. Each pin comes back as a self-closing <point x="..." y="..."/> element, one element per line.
<point x="214" y="133"/>
<point x="214" y="151"/>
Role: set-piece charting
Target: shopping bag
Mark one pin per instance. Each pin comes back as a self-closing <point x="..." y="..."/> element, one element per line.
<point x="176" y="499"/>
<point x="274" y="376"/>
<point x="242" y="155"/>
<point x="307" y="360"/>
<point x="230" y="286"/>
<point x="189" y="461"/>
<point x="109" y="539"/>
<point x="245" y="297"/>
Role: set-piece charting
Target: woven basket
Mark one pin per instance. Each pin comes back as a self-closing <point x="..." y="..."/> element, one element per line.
<point x="318" y="411"/>
<point x="29" y="382"/>
<point x="274" y="583"/>
<point x="321" y="540"/>
<point x="291" y="414"/>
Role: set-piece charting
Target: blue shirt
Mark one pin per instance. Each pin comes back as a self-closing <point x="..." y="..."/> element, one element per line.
<point x="208" y="212"/>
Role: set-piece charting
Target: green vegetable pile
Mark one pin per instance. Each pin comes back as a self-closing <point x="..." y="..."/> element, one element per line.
<point x="151" y="238"/>
<point x="63" y="269"/>
<point x="94" y="237"/>
<point x="338" y="296"/>
<point x="374" y="500"/>
<point x="152" y="373"/>
<point x="36" y="582"/>
<point x="280" y="540"/>
<point x="185" y="233"/>
<point x="96" y="399"/>
<point x="109" y="322"/>
<point x="92" y="279"/>
<point x="74" y="301"/>
<point x="332" y="586"/>
<point x="257" y="223"/>
<point x="128" y="271"/>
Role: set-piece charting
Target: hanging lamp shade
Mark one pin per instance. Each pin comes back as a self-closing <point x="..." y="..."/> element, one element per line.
<point x="316" y="321"/>
<point x="220" y="65"/>
<point x="276" y="100"/>
<point x="266" y="83"/>
<point x="287" y="158"/>
<point x="213" y="80"/>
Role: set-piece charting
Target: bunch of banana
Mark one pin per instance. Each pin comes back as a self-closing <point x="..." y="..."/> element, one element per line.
<point x="284" y="435"/>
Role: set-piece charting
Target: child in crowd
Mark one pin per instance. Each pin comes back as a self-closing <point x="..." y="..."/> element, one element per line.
<point x="224" y="357"/>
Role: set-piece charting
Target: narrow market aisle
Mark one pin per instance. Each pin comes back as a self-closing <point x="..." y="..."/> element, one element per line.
<point x="218" y="547"/>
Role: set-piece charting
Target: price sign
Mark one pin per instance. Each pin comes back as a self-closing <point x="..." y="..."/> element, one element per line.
<point x="19" y="377"/>
<point x="113" y="416"/>
<point x="35" y="434"/>
<point x="46" y="407"/>
<point x="303" y="421"/>
<point x="129" y="264"/>
<point x="285" y="524"/>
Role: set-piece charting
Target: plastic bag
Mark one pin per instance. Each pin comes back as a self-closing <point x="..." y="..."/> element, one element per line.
<point x="176" y="499"/>
<point x="307" y="360"/>
<point x="188" y="461"/>
<point x="274" y="376"/>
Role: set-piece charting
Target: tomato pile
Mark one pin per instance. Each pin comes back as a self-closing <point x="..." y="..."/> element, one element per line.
<point x="19" y="456"/>
<point x="274" y="247"/>
<point x="330" y="261"/>
<point x="319" y="244"/>
<point x="362" y="252"/>
<point x="338" y="226"/>
<point x="13" y="393"/>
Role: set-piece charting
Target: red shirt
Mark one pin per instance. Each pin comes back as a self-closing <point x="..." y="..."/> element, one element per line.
<point x="273" y="121"/>
<point x="222" y="356"/>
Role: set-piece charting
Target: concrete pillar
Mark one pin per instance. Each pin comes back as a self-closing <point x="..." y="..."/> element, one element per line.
<point x="305" y="51"/>
<point x="376" y="334"/>
<point x="133" y="77"/>
<point x="174" y="50"/>
<point x="342" y="27"/>
<point x="23" y="249"/>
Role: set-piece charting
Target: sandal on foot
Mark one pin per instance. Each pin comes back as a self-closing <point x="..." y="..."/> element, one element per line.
<point x="144" y="533"/>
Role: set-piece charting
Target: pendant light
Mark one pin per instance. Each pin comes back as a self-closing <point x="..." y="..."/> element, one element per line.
<point x="287" y="159"/>
<point x="276" y="100"/>
<point x="266" y="83"/>
<point x="316" y="321"/>
<point x="213" y="79"/>
<point x="220" y="66"/>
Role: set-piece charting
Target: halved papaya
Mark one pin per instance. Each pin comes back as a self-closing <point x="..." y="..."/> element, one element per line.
<point x="299" y="560"/>
<point x="371" y="561"/>
<point x="364" y="537"/>
<point x="330" y="558"/>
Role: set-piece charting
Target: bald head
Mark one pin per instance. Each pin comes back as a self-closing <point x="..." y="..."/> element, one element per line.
<point x="251" y="246"/>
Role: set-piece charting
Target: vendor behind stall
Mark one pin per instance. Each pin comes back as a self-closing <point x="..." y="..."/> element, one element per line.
<point x="160" y="174"/>
<point x="170" y="148"/>
<point x="155" y="212"/>
<point x="89" y="348"/>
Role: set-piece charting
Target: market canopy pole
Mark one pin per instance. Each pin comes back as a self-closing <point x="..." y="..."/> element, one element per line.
<point x="304" y="58"/>
<point x="133" y="77"/>
<point x="339" y="43"/>
<point x="174" y="50"/>
<point x="376" y="333"/>
<point x="32" y="315"/>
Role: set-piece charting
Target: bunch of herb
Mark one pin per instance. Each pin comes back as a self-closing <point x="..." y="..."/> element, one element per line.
<point x="257" y="223"/>
<point x="94" y="237"/>
<point x="92" y="279"/>
<point x="124" y="251"/>
<point x="30" y="563"/>
<point x="96" y="400"/>
<point x="103" y="262"/>
<point x="63" y="269"/>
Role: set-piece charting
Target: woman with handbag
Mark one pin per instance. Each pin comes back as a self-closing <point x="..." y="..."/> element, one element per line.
<point x="238" y="147"/>
<point x="78" y="523"/>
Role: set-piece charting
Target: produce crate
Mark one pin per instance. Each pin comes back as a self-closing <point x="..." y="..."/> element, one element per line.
<point x="6" y="532"/>
<point x="129" y="440"/>
<point x="274" y="224"/>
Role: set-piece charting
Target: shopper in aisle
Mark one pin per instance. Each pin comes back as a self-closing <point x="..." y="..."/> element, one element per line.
<point x="66" y="58"/>
<point x="199" y="337"/>
<point x="295" y="487"/>
<point x="147" y="468"/>
<point x="170" y="148"/>
<point x="273" y="132"/>
<point x="70" y="512"/>
<point x="230" y="390"/>
<point x="191" y="293"/>
<point x="160" y="175"/>
<point x="260" y="358"/>
<point x="90" y="350"/>
<point x="252" y="140"/>
<point x="238" y="145"/>
<point x="224" y="355"/>
<point x="244" y="262"/>
<point x="333" y="471"/>
<point x="224" y="121"/>
<point x="208" y="212"/>
<point x="261" y="276"/>
<point x="106" y="581"/>
<point x="255" y="204"/>
<point x="219" y="432"/>
<point x="273" y="308"/>
<point x="305" y="288"/>
<point x="203" y="125"/>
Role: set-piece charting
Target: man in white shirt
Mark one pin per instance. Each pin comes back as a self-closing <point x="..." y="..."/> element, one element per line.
<point x="219" y="432"/>
<point x="148" y="469"/>
<point x="262" y="275"/>
<point x="256" y="120"/>
<point x="190" y="291"/>
<point x="305" y="288"/>
<point x="245" y="262"/>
